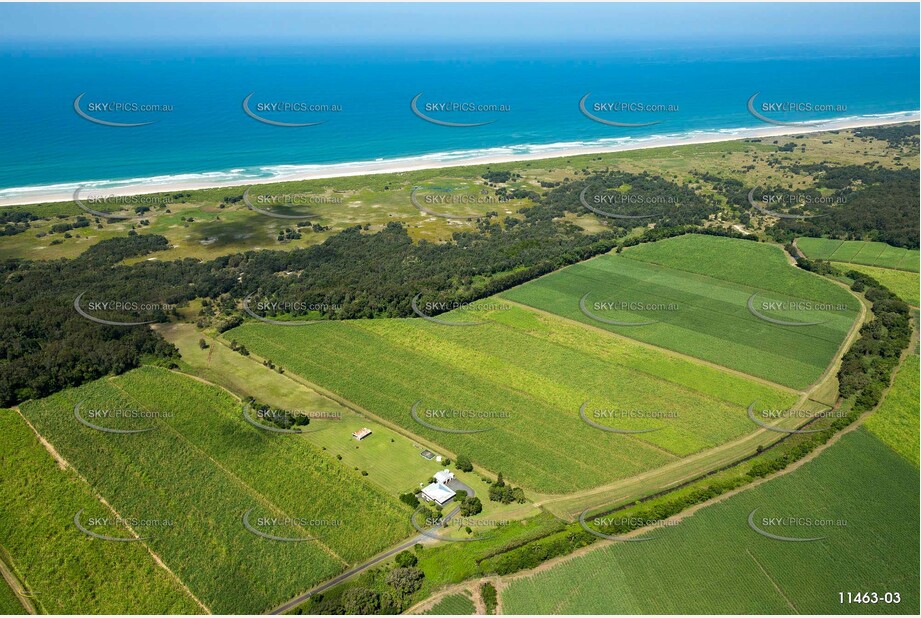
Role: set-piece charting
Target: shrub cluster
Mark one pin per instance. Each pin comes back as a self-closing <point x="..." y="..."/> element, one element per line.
<point x="867" y="367"/>
<point x="490" y="597"/>
<point x="533" y="554"/>
<point x="500" y="491"/>
<point x="380" y="591"/>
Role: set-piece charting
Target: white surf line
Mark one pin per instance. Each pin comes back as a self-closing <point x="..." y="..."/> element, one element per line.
<point x="64" y="192"/>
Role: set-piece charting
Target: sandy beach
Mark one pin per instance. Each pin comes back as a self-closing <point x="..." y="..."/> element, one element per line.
<point x="64" y="192"/>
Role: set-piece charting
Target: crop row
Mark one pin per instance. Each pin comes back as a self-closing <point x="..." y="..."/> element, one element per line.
<point x="201" y="468"/>
<point x="677" y="297"/>
<point x="66" y="572"/>
<point x="525" y="387"/>
<point x="858" y="497"/>
<point x="860" y="252"/>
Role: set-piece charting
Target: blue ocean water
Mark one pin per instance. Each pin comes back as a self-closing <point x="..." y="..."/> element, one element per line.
<point x="535" y="93"/>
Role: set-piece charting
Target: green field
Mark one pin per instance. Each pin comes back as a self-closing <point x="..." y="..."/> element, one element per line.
<point x="202" y="468"/>
<point x="530" y="373"/>
<point x="444" y="564"/>
<point x="865" y="252"/>
<point x="698" y="288"/>
<point x="459" y="604"/>
<point x="903" y="283"/>
<point x="391" y="460"/>
<point x="240" y="375"/>
<point x="64" y="571"/>
<point x="9" y="604"/>
<point x="896" y="420"/>
<point x="712" y="562"/>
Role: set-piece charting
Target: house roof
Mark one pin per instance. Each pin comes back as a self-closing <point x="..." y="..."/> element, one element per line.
<point x="443" y="476"/>
<point x="438" y="492"/>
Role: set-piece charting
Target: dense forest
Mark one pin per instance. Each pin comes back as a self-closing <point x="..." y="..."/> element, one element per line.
<point x="876" y="203"/>
<point x="657" y="200"/>
<point x="46" y="345"/>
<point x="867" y="367"/>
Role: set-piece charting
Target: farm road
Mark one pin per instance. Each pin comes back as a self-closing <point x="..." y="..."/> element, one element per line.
<point x="419" y="538"/>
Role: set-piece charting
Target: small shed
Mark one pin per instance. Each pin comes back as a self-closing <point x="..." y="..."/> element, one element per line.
<point x="361" y="434"/>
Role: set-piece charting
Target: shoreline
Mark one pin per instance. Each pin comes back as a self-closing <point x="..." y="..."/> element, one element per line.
<point x="63" y="192"/>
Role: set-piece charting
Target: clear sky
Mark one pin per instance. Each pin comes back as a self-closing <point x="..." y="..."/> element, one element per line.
<point x="489" y="23"/>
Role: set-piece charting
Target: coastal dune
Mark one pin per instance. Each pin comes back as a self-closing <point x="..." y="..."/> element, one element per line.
<point x="64" y="192"/>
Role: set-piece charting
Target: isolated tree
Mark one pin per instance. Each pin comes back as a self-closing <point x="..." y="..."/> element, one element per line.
<point x="463" y="463"/>
<point x="470" y="506"/>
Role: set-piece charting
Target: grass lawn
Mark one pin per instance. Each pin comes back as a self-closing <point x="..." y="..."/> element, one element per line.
<point x="241" y="375"/>
<point x="712" y="562"/>
<point x="690" y="294"/>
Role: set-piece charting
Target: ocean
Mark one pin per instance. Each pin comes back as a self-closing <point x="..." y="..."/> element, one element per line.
<point x="361" y="97"/>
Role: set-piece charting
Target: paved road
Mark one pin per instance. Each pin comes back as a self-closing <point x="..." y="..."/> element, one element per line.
<point x="344" y="576"/>
<point x="457" y="484"/>
<point x="419" y="538"/>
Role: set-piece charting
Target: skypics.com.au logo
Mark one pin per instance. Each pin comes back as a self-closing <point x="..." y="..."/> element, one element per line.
<point x="435" y="112"/>
<point x="615" y="113"/>
<point x="272" y="112"/>
<point x="782" y="109"/>
<point x="96" y="111"/>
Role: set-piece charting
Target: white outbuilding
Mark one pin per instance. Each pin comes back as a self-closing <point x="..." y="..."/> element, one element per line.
<point x="444" y="476"/>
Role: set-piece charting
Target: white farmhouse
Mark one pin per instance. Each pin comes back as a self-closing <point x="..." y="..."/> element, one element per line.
<point x="438" y="493"/>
